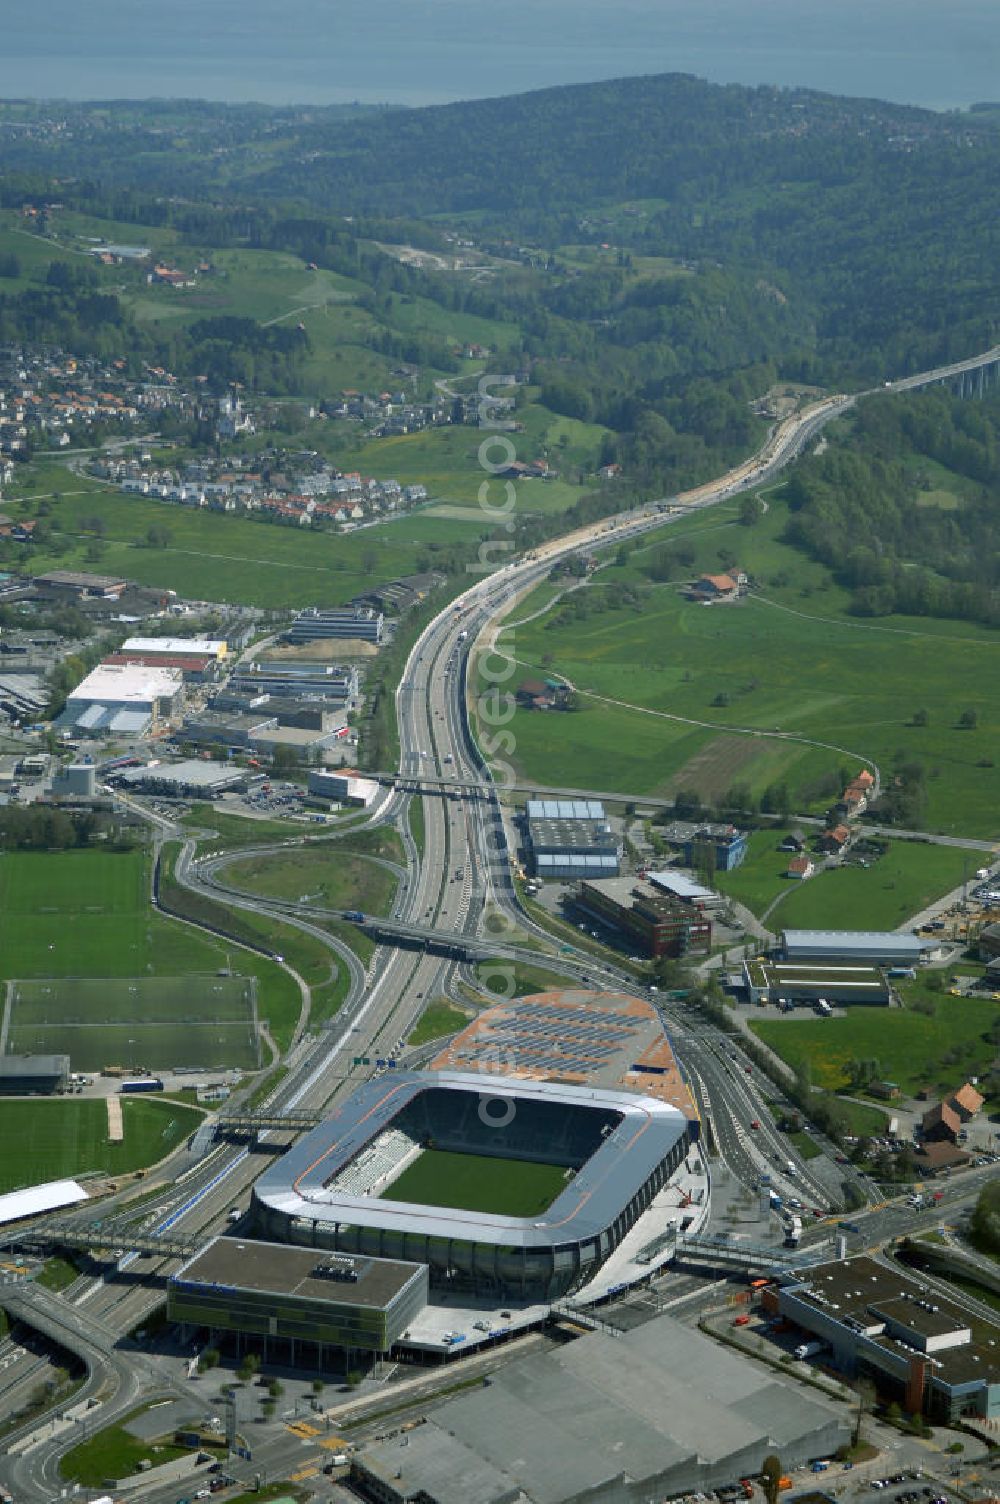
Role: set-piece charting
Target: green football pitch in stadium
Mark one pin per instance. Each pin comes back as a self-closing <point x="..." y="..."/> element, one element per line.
<point x="479" y="1183"/>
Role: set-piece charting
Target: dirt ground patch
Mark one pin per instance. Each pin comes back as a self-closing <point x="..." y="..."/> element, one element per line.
<point x="713" y="770"/>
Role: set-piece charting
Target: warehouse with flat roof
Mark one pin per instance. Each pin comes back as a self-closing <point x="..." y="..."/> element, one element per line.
<point x="193" y="777"/>
<point x="808" y="981"/>
<point x="651" y="1413"/>
<point x="875" y="947"/>
<point x="33" y="1075"/>
<point x="122" y="699"/>
<point x="571" y="838"/>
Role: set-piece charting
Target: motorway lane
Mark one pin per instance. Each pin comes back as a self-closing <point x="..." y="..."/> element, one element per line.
<point x="474" y="834"/>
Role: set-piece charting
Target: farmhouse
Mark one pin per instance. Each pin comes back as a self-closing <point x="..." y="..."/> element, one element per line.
<point x="718" y="587"/>
<point x="939" y="1123"/>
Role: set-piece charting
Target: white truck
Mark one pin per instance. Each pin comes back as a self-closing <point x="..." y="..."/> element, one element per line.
<point x="809" y="1349"/>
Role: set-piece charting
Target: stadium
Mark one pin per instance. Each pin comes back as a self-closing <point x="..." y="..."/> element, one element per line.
<point x="514" y="1189"/>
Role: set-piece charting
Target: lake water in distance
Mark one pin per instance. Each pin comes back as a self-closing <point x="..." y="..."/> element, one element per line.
<point x="938" y="53"/>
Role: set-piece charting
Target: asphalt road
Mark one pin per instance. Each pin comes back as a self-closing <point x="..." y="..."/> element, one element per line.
<point x="462" y="875"/>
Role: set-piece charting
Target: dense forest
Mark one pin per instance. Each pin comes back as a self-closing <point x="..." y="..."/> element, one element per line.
<point x="899" y="534"/>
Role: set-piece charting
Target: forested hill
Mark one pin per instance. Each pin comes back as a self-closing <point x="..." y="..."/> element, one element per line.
<point x="875" y="226"/>
<point x="667" y="136"/>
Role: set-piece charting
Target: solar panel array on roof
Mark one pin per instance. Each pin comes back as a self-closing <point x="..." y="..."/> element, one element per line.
<point x="549" y="1037"/>
<point x="564" y="809"/>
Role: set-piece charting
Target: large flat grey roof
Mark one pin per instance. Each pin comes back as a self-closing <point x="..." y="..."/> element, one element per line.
<point x="299" y="1184"/>
<point x="871" y="942"/>
<point x="662" y="1398"/>
<point x="284" y="1269"/>
<point x="428" y="1459"/>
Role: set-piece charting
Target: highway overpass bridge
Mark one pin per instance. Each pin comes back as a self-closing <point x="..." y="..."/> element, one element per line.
<point x="966" y="378"/>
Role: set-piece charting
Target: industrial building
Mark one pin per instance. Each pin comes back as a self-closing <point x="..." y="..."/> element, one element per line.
<point x="77" y="780"/>
<point x="805" y="982"/>
<point x="719" y="847"/>
<point x="191" y="669"/>
<point x="361" y="623"/>
<point x="655" y="922"/>
<point x="299" y="1299"/>
<point x="176" y="647"/>
<point x="345" y="784"/>
<point x="122" y="700"/>
<point x="73" y="582"/>
<point x="650" y="1413"/>
<point x="333" y="1189"/>
<point x="571" y="838"/>
<point x="915" y="1343"/>
<point x="872" y="947"/>
<point x="685" y="889"/>
<point x="336" y="683"/>
<point x="192" y="778"/>
<point x="33" y="1075"/>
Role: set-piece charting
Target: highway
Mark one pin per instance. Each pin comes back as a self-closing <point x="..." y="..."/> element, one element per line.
<point x="459" y="884"/>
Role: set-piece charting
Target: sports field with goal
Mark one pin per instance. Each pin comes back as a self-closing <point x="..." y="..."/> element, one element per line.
<point x="479" y="1183"/>
<point x="152" y="1022"/>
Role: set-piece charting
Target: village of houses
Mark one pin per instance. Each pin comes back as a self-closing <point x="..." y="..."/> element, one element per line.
<point x="51" y="400"/>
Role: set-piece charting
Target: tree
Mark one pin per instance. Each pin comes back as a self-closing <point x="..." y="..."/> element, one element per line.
<point x="985" y="1224"/>
<point x="920" y="717"/>
<point x="268" y="1407"/>
<point x="248" y="1368"/>
<point x="275" y="1388"/>
<point x="866" y="1403"/>
<point x="318" y="1385"/>
<point x="770" y="1477"/>
<point x="158" y="536"/>
<point x="209" y="1359"/>
<point x="968" y="720"/>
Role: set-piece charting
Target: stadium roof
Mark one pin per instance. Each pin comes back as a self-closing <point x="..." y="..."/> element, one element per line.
<point x="661" y="1402"/>
<point x="565" y="809"/>
<point x="299" y="1184"/>
<point x="575" y="1037"/>
<point x="47" y="1197"/>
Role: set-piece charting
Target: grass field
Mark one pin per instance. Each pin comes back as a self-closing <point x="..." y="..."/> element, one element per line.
<point x="880" y="896"/>
<point x="438" y="1019"/>
<point x="155" y="1023"/>
<point x="677" y="681"/>
<point x="327" y="877"/>
<point x="47" y="1140"/>
<point x="939" y="1049"/>
<point x="479" y="1183"/>
<point x="115" y="1453"/>
<point x="87" y="914"/>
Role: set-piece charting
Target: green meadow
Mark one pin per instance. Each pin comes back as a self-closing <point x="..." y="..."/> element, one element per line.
<point x="784" y="686"/>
